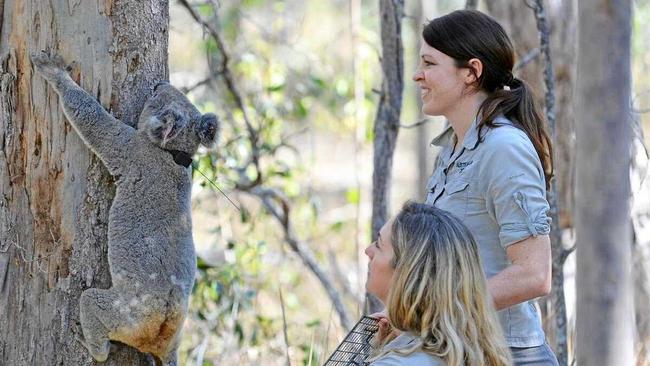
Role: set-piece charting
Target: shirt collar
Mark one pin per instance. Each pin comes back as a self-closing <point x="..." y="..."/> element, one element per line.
<point x="444" y="138"/>
<point x="401" y="341"/>
<point x="472" y="137"/>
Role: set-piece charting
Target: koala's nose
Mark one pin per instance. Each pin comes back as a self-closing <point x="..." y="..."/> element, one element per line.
<point x="160" y="83"/>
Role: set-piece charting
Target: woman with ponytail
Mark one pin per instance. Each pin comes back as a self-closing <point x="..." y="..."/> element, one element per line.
<point x="494" y="166"/>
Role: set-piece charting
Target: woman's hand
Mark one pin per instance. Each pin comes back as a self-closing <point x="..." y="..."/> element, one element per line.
<point x="385" y="330"/>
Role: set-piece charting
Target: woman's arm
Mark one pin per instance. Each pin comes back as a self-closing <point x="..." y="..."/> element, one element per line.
<point x="515" y="196"/>
<point x="529" y="275"/>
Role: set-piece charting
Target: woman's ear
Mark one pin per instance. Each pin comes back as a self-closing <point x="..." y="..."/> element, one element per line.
<point x="475" y="70"/>
<point x="208" y="129"/>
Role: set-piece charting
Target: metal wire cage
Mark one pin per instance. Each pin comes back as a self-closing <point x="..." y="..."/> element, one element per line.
<point x="356" y="346"/>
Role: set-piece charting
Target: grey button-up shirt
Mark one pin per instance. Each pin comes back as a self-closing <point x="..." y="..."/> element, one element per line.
<point x="495" y="184"/>
<point x="403" y="342"/>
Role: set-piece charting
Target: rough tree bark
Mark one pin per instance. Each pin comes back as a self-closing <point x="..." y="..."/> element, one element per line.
<point x="55" y="194"/>
<point x="387" y="121"/>
<point x="603" y="129"/>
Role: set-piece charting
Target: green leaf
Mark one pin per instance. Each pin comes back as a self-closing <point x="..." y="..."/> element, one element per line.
<point x="353" y="196"/>
<point x="337" y="226"/>
<point x="313" y="323"/>
<point x="276" y="88"/>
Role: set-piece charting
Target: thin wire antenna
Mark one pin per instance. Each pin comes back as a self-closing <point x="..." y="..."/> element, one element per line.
<point x="219" y="189"/>
<point x="356" y="346"/>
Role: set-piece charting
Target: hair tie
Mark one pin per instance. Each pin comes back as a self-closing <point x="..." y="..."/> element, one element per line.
<point x="510" y="79"/>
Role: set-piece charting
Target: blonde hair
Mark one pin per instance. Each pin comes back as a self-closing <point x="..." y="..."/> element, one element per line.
<point x="438" y="291"/>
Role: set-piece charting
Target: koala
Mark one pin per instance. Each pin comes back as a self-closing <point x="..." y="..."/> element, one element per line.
<point x="150" y="248"/>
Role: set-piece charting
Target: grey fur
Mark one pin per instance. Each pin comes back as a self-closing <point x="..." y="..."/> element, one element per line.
<point x="150" y="248"/>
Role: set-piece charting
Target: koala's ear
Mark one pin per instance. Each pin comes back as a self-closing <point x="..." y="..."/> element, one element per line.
<point x="208" y="129"/>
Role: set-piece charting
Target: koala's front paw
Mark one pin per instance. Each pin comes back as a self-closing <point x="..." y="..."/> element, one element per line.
<point x="51" y="67"/>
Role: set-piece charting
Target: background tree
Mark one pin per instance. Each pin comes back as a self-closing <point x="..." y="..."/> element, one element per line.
<point x="603" y="131"/>
<point x="387" y="121"/>
<point x="55" y="192"/>
<point x="641" y="244"/>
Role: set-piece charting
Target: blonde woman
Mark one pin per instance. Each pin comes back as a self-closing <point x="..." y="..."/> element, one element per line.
<point x="425" y="267"/>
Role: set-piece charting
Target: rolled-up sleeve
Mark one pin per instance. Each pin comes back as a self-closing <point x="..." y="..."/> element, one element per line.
<point x="515" y="193"/>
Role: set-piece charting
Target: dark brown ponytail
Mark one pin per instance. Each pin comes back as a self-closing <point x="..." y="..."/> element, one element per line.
<point x="467" y="34"/>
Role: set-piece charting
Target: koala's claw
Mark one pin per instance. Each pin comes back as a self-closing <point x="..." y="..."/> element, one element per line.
<point x="49" y="65"/>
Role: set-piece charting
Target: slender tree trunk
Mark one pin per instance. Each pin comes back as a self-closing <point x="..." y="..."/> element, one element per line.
<point x="641" y="245"/>
<point x="603" y="130"/>
<point x="564" y="25"/>
<point x="55" y="194"/>
<point x="387" y="120"/>
<point x="559" y="254"/>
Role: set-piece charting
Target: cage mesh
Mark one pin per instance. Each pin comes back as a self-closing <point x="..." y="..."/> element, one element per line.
<point x="356" y="346"/>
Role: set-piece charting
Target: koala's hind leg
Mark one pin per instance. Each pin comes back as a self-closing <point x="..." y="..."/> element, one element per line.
<point x="98" y="317"/>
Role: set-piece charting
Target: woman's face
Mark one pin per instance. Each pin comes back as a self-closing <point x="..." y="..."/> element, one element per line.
<point x="441" y="83"/>
<point x="380" y="270"/>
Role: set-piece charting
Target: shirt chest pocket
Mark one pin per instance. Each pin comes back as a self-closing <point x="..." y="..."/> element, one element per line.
<point x="434" y="186"/>
<point x="454" y="199"/>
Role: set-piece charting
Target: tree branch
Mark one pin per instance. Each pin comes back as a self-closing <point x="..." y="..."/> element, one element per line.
<point x="526" y="59"/>
<point x="190" y="88"/>
<point x="274" y="201"/>
<point x="229" y="79"/>
<point x="279" y="207"/>
<point x="388" y="112"/>
<point x="416" y="124"/>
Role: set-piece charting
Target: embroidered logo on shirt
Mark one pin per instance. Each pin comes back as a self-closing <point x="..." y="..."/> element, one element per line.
<point x="463" y="164"/>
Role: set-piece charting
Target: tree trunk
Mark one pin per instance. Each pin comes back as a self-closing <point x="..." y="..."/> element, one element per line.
<point x="387" y="120"/>
<point x="556" y="312"/>
<point x="55" y="193"/>
<point x="603" y="130"/>
<point x="641" y="245"/>
<point x="563" y="23"/>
